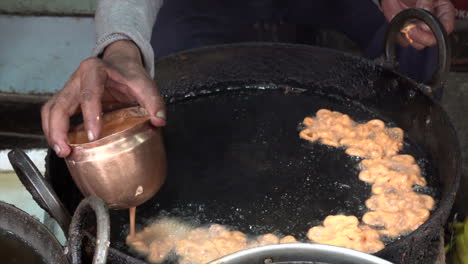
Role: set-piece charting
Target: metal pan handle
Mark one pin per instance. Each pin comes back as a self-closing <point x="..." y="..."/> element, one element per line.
<point x="39" y="188"/>
<point x="434" y="88"/>
<point x="75" y="234"/>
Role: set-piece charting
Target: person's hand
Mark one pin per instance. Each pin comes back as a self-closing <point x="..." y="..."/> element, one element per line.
<point x="421" y="35"/>
<point x="117" y="79"/>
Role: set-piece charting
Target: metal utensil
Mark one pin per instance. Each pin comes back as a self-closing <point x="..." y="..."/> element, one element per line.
<point x="46" y="198"/>
<point x="305" y="253"/>
<point x="125" y="167"/>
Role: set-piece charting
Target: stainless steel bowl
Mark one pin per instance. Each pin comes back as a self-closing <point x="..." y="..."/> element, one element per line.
<point x="303" y="253"/>
<point x="125" y="167"/>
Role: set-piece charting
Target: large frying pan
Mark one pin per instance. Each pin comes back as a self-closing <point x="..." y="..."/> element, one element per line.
<point x="235" y="158"/>
<point x="23" y="239"/>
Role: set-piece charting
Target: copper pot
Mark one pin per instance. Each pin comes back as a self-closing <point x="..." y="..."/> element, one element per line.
<point x="126" y="166"/>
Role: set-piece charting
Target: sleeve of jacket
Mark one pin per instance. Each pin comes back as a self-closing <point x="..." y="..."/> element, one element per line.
<point x="127" y="19"/>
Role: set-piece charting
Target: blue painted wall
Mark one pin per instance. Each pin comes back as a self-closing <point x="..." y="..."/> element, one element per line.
<point x="48" y="7"/>
<point x="38" y="54"/>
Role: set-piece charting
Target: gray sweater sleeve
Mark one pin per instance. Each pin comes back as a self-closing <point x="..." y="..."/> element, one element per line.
<point x="127" y="19"/>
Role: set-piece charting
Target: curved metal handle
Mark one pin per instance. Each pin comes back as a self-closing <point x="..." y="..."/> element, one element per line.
<point x="39" y="188"/>
<point x="75" y="234"/>
<point x="443" y="65"/>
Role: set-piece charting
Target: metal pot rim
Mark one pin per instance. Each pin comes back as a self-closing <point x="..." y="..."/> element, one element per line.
<point x="320" y="250"/>
<point x="32" y="231"/>
<point x="134" y="111"/>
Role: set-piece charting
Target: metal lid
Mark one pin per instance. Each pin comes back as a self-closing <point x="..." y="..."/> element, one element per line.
<point x="300" y="253"/>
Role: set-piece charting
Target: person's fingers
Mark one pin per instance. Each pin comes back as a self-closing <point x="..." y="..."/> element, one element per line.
<point x="448" y="21"/>
<point x="402" y="40"/>
<point x="420" y="37"/>
<point x="423" y="26"/>
<point x="417" y="45"/>
<point x="145" y="92"/>
<point x="391" y="8"/>
<point x="45" y="110"/>
<point x="116" y="96"/>
<point x="59" y="125"/>
<point x="93" y="79"/>
<point x="63" y="107"/>
<point x="445" y="11"/>
<point x="147" y="95"/>
<point x="58" y="135"/>
<point x="425" y="4"/>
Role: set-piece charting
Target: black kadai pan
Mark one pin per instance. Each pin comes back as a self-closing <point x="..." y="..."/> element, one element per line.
<point x="234" y="152"/>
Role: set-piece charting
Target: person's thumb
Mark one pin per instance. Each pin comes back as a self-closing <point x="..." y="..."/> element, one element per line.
<point x="148" y="96"/>
<point x="391" y="8"/>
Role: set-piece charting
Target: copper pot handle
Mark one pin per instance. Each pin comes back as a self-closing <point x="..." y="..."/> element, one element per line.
<point x="76" y="234"/>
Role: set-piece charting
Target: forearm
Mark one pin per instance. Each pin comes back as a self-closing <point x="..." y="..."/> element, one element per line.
<point x="123" y="48"/>
<point x="127" y="20"/>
